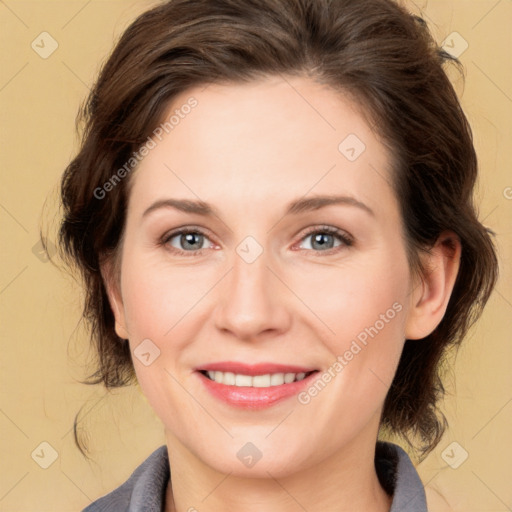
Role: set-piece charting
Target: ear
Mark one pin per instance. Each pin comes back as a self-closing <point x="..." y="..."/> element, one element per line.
<point x="429" y="298"/>
<point x="112" y="285"/>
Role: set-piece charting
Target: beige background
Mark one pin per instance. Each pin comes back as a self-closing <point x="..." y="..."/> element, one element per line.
<point x="43" y="350"/>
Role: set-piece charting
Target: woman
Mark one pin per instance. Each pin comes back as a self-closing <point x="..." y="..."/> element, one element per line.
<point x="272" y="213"/>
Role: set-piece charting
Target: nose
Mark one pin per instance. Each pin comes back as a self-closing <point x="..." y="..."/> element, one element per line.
<point x="253" y="301"/>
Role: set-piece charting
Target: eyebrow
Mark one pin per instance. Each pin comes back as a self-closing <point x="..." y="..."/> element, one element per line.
<point x="294" y="208"/>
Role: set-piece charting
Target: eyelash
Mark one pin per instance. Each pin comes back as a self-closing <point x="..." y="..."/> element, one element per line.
<point x="345" y="238"/>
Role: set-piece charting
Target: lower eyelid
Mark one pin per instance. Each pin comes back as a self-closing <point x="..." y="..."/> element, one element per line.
<point x="344" y="239"/>
<point x="167" y="239"/>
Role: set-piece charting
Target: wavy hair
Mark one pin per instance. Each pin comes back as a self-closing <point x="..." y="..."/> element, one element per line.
<point x="377" y="52"/>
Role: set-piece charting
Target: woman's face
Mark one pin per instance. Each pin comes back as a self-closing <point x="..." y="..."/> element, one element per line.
<point x="270" y="279"/>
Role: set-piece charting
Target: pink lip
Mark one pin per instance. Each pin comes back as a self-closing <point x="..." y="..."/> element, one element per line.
<point x="247" y="397"/>
<point x="254" y="369"/>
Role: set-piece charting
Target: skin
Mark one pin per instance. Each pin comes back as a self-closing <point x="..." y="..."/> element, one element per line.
<point x="249" y="150"/>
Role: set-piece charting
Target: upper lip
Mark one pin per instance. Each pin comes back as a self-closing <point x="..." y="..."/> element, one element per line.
<point x="254" y="369"/>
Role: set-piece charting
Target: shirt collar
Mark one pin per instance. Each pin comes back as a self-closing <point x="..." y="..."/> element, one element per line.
<point x="145" y="490"/>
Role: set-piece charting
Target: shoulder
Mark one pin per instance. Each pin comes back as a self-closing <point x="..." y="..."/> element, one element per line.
<point x="435" y="501"/>
<point x="144" y="490"/>
<point x="399" y="478"/>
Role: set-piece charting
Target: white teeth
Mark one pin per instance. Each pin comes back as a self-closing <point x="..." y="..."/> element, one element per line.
<point x="261" y="381"/>
<point x="276" y="379"/>
<point x="257" y="381"/>
<point x="229" y="378"/>
<point x="240" y="380"/>
<point x="289" y="377"/>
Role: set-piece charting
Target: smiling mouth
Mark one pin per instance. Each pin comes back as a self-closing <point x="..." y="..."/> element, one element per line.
<point x="255" y="381"/>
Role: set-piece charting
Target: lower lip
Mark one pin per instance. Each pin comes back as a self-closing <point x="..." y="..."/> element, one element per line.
<point x="246" y="397"/>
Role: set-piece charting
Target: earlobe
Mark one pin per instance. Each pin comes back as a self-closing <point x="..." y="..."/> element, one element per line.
<point x="114" y="296"/>
<point x="430" y="297"/>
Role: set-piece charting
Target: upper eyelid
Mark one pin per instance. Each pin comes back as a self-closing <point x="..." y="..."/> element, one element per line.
<point x="185" y="230"/>
<point x="341" y="234"/>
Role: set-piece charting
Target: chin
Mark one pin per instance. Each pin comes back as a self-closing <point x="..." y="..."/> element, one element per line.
<point x="257" y="459"/>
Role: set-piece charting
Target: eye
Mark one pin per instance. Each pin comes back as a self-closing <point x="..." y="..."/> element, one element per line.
<point x="185" y="241"/>
<point x="190" y="241"/>
<point x="323" y="239"/>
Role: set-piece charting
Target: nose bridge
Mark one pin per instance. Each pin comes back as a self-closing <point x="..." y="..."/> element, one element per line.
<point x="251" y="301"/>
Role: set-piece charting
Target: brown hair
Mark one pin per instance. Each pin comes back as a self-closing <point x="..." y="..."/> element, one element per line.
<point x="377" y="52"/>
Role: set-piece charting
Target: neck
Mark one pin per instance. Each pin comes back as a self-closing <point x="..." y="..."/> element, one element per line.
<point x="344" y="481"/>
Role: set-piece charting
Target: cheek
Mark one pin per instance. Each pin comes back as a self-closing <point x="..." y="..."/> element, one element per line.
<point x="355" y="310"/>
<point x="163" y="310"/>
<point x="372" y="310"/>
<point x="159" y="299"/>
<point x="364" y="309"/>
<point x="359" y="299"/>
<point x="147" y="303"/>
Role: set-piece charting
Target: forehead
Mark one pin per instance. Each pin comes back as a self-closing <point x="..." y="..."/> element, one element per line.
<point x="263" y="139"/>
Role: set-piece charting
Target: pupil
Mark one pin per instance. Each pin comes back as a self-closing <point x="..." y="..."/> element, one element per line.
<point x="320" y="238"/>
<point x="189" y="238"/>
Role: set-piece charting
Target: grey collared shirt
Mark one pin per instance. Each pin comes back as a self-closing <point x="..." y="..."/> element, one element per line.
<point x="145" y="490"/>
